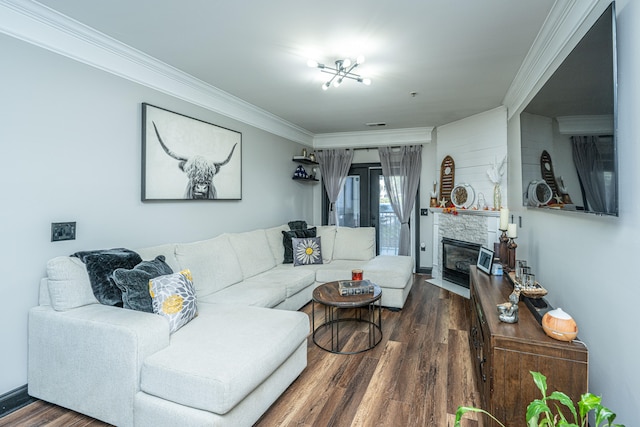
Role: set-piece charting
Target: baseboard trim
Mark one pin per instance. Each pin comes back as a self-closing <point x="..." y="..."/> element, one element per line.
<point x="424" y="270"/>
<point x="14" y="400"/>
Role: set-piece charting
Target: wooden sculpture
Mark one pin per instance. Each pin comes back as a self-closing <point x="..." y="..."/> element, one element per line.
<point x="547" y="172"/>
<point x="447" y="180"/>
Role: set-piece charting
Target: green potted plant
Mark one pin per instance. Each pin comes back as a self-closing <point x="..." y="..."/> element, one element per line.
<point x="540" y="414"/>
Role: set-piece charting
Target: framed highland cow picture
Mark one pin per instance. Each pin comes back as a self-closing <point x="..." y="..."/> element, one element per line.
<point x="188" y="159"/>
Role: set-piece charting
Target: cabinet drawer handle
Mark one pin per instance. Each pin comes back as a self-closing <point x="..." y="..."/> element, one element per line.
<point x="484" y="376"/>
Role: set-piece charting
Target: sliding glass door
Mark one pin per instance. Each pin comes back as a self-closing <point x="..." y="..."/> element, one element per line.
<point x="383" y="218"/>
<point x="364" y="202"/>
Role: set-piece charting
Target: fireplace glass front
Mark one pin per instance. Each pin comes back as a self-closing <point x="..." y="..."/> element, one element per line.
<point x="457" y="256"/>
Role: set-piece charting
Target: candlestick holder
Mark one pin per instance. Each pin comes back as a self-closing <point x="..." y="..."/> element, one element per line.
<point x="503" y="254"/>
<point x="511" y="249"/>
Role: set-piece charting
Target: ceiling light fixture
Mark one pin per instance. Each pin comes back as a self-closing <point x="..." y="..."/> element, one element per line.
<point x="343" y="69"/>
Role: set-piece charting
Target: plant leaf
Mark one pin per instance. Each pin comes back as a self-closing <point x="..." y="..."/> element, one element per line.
<point x="464" y="409"/>
<point x="604" y="413"/>
<point x="564" y="423"/>
<point x="587" y="403"/>
<point x="566" y="401"/>
<point x="535" y="409"/>
<point x="541" y="382"/>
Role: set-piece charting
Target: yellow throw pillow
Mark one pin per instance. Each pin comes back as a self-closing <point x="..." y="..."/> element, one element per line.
<point x="174" y="297"/>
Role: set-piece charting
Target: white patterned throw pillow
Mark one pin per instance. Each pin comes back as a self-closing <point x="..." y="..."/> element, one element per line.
<point x="306" y="250"/>
<point x="174" y="297"/>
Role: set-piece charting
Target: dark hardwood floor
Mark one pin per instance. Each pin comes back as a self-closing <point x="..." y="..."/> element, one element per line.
<point x="417" y="376"/>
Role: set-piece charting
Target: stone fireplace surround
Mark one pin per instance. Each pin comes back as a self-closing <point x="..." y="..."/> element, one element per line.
<point x="479" y="227"/>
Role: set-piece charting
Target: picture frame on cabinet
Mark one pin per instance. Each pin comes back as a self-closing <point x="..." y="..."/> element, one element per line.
<point x="485" y="260"/>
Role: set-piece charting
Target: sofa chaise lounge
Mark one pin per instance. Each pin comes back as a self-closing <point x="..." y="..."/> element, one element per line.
<point x="246" y="345"/>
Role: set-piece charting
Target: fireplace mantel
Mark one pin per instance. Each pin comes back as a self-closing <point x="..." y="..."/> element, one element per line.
<point x="467" y="212"/>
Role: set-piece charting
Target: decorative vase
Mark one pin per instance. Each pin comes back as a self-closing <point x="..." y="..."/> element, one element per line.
<point x="497" y="196"/>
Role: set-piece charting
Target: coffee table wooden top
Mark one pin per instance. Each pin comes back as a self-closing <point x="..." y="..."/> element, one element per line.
<point x="329" y="294"/>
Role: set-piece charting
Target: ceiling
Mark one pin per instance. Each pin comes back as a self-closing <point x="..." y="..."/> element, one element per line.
<point x="458" y="56"/>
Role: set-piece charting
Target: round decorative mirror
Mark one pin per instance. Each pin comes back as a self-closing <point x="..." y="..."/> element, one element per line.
<point x="539" y="193"/>
<point x="462" y="196"/>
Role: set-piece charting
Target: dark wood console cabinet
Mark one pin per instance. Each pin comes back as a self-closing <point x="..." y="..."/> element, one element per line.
<point x="504" y="353"/>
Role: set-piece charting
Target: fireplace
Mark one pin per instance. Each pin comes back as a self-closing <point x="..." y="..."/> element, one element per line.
<point x="457" y="256"/>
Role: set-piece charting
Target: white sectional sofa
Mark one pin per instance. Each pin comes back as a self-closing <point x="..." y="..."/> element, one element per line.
<point x="227" y="365"/>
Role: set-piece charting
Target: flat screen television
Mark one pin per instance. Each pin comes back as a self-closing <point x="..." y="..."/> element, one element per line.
<point x="568" y="129"/>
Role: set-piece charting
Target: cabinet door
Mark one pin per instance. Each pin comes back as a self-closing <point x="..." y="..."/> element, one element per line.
<point x="514" y="386"/>
<point x="480" y="350"/>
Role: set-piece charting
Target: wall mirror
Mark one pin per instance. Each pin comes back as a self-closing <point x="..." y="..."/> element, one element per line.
<point x="568" y="130"/>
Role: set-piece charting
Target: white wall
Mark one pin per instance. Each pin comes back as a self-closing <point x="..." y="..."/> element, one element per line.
<point x="430" y="168"/>
<point x="475" y="143"/>
<point x="586" y="262"/>
<point x="71" y="144"/>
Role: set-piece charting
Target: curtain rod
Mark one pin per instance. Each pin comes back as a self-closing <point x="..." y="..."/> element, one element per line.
<point x="366" y="148"/>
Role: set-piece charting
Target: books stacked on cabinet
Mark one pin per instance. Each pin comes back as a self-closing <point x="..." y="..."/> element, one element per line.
<point x="355" y="287"/>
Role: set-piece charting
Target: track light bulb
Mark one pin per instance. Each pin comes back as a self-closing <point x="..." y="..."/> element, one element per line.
<point x="311" y="63"/>
<point x="346" y="63"/>
<point x="360" y="60"/>
<point x="325" y="86"/>
<point x="366" y="81"/>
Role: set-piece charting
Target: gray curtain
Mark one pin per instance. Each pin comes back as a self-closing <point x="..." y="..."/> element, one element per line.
<point x="588" y="162"/>
<point x="334" y="167"/>
<point x="401" y="170"/>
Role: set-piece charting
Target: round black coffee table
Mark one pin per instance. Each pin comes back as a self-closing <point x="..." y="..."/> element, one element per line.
<point x="366" y="306"/>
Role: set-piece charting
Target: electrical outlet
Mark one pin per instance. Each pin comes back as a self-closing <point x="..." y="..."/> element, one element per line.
<point x="63" y="231"/>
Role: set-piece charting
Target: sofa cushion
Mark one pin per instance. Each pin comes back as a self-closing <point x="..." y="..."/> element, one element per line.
<point x="250" y="292"/>
<point x="215" y="361"/>
<point x="389" y="271"/>
<point x="174" y="298"/>
<point x="337" y="270"/>
<point x="288" y="245"/>
<point x="253" y="252"/>
<point x="274" y="237"/>
<point x="357" y="244"/>
<point x="101" y="265"/>
<point x="134" y="283"/>
<point x="68" y="283"/>
<point x="285" y="275"/>
<point x="213" y="264"/>
<point x="306" y="250"/>
<point x="328" y="235"/>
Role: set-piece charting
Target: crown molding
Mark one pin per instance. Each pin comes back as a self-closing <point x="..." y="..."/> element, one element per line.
<point x="567" y="23"/>
<point x="39" y="25"/>
<point x="373" y="138"/>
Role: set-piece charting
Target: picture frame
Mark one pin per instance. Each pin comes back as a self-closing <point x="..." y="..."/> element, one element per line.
<point x="63" y="231"/>
<point x="184" y="158"/>
<point x="485" y="260"/>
